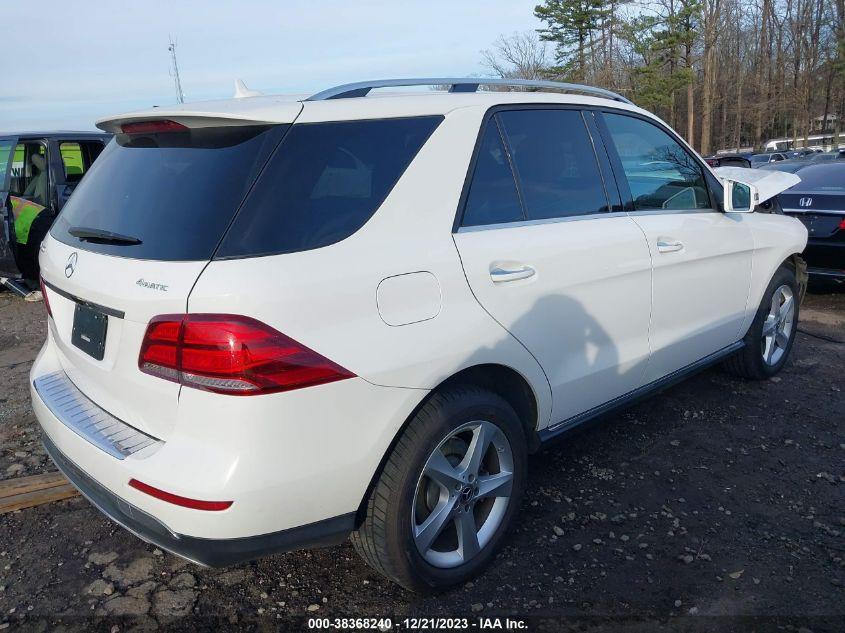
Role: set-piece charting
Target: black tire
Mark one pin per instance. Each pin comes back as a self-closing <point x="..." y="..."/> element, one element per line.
<point x="384" y="539"/>
<point x="748" y="362"/>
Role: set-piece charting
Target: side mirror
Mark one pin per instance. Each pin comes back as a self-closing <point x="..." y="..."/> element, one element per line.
<point x="740" y="197"/>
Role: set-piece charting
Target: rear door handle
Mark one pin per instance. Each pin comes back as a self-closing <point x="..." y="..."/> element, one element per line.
<point x="665" y="245"/>
<point x="510" y="271"/>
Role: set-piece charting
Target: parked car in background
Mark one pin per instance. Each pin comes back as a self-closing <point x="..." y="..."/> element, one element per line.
<point x="729" y="160"/>
<point x="38" y="173"/>
<point x="823" y="157"/>
<point x="792" y="166"/>
<point x="757" y="160"/>
<point x="819" y="202"/>
<point x="273" y="324"/>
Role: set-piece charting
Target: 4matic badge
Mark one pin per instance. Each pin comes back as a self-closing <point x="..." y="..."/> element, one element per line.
<point x="151" y="285"/>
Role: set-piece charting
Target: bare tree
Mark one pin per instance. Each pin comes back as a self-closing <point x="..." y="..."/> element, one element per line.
<point x="517" y="56"/>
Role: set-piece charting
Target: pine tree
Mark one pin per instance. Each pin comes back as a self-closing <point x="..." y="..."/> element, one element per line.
<point x="572" y="25"/>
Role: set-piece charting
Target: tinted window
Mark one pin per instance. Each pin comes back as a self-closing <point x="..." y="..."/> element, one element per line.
<point x="492" y="196"/>
<point x="555" y="163"/>
<point x="660" y="173"/>
<point x="175" y="191"/>
<point x="325" y="181"/>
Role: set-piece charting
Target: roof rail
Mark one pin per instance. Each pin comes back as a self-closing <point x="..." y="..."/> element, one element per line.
<point x="463" y="84"/>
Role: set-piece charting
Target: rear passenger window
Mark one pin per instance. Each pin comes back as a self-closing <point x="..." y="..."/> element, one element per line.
<point x="77" y="157"/>
<point x="555" y="163"/>
<point x="492" y="197"/>
<point x="660" y="172"/>
<point x="323" y="183"/>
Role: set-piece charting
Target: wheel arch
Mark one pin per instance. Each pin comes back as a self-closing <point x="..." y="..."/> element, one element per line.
<point x="501" y="380"/>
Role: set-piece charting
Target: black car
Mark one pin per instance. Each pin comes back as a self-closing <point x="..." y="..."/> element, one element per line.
<point x="819" y="202"/>
<point x="38" y="172"/>
<point x="729" y="160"/>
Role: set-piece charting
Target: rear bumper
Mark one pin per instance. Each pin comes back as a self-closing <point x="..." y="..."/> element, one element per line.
<point x="209" y="552"/>
<point x="295" y="465"/>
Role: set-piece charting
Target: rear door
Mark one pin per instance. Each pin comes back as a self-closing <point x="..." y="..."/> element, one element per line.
<point x="549" y="254"/>
<point x="702" y="256"/>
<point x="130" y="244"/>
<point x="8" y="268"/>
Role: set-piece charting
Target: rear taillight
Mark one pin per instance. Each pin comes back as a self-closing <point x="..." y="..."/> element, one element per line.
<point x="152" y="127"/>
<point x="46" y="298"/>
<point x="231" y="354"/>
<point x="842" y="224"/>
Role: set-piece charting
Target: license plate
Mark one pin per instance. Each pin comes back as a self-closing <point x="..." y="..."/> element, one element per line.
<point x="89" y="330"/>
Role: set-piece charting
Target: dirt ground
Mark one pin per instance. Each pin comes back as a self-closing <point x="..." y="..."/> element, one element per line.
<point x="716" y="505"/>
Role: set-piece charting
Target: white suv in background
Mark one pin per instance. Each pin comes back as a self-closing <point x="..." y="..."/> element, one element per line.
<point x="278" y="322"/>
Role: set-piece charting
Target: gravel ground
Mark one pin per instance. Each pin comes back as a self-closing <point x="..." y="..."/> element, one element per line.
<point x="716" y="505"/>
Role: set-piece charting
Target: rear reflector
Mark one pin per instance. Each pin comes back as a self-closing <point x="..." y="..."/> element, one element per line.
<point x="46" y="298"/>
<point x="152" y="127"/>
<point x="231" y="354"/>
<point x="185" y="502"/>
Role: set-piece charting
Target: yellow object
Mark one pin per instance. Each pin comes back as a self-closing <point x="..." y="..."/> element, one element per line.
<point x="24" y="211"/>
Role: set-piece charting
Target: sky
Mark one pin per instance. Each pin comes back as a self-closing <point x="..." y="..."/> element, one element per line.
<point x="95" y="58"/>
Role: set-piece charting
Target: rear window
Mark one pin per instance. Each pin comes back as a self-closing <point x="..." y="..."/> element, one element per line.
<point x="176" y="192"/>
<point x="822" y="178"/>
<point x="324" y="183"/>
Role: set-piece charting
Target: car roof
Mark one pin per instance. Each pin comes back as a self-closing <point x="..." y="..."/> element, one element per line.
<point x="287" y="108"/>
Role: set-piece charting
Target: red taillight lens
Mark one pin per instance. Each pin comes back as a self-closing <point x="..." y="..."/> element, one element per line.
<point x="842" y="224"/>
<point x="231" y="354"/>
<point x="46" y="298"/>
<point x="185" y="502"/>
<point x="152" y="127"/>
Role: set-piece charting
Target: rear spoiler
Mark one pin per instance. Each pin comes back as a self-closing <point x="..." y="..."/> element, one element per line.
<point x="254" y="111"/>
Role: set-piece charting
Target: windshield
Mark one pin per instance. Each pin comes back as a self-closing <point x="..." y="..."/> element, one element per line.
<point x="169" y="195"/>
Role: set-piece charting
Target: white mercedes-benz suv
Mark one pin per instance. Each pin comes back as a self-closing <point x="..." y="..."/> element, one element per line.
<point x="278" y="322"/>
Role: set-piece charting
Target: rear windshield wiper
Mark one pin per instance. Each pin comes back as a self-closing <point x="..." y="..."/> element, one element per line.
<point x="101" y="236"/>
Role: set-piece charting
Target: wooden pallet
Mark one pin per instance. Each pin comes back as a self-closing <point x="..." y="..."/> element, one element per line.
<point x="25" y="492"/>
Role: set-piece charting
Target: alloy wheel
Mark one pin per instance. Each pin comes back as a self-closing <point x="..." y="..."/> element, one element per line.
<point x="462" y="494"/>
<point x="778" y="327"/>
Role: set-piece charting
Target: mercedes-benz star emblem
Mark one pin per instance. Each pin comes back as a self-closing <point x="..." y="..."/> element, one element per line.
<point x="71" y="264"/>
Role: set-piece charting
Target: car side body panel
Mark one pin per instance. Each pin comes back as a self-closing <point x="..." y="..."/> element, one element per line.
<point x="776" y="238"/>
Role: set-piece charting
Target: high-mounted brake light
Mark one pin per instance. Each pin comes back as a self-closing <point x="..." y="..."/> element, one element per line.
<point x="152" y="127"/>
<point x="185" y="502"/>
<point x="46" y="298"/>
<point x="231" y="354"/>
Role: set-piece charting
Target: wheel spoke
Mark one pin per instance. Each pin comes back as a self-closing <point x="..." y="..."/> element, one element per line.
<point x="433" y="525"/>
<point x="769" y="325"/>
<point x="467" y="535"/>
<point x="769" y="352"/>
<point x="774" y="309"/>
<point x="781" y="339"/>
<point x="786" y="308"/>
<point x="439" y="470"/>
<point x="481" y="438"/>
<point x="498" y="485"/>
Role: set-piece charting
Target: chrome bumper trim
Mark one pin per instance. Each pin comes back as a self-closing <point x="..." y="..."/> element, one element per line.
<point x="89" y="421"/>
